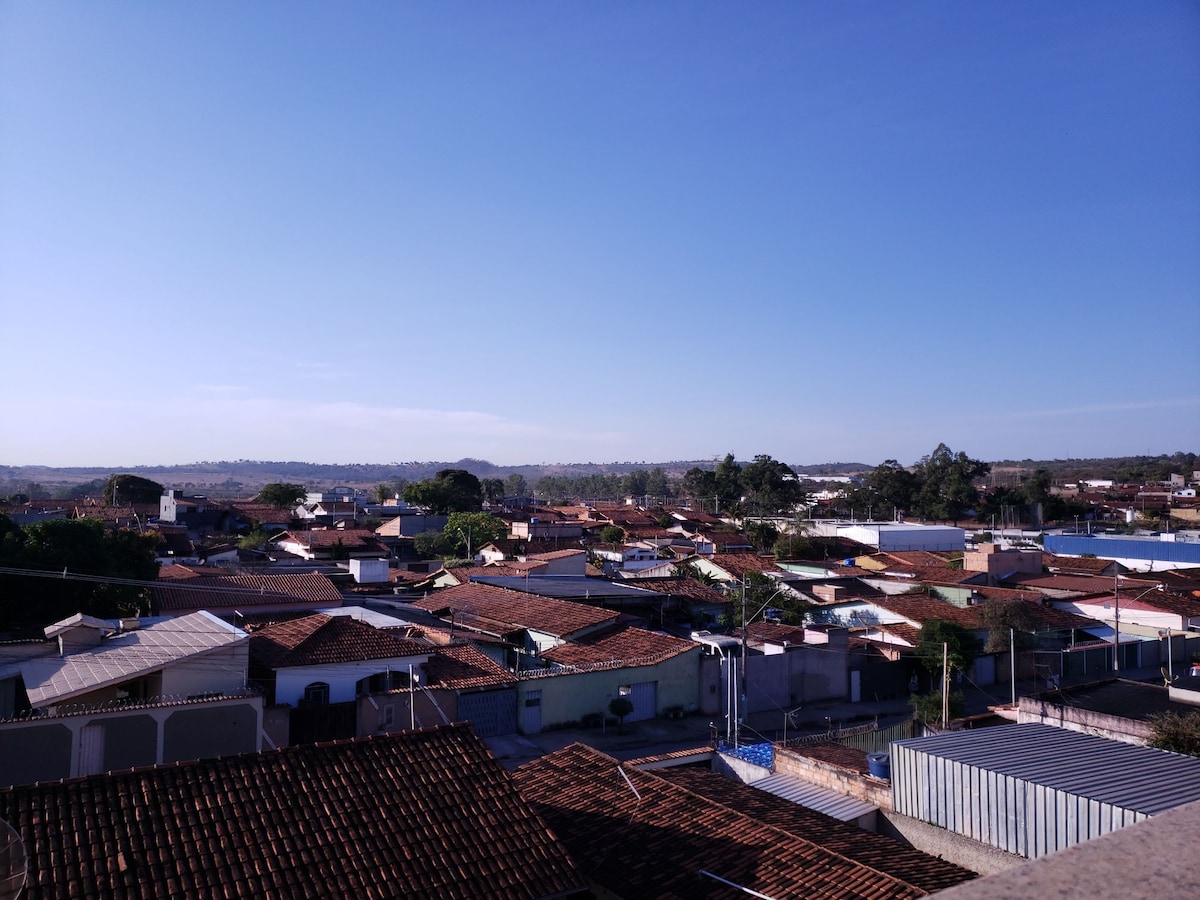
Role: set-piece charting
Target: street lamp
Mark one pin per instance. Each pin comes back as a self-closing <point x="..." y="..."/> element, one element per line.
<point x="1117" y="618"/>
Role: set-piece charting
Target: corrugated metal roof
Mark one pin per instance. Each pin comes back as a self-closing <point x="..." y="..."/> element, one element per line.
<point x="571" y="587"/>
<point x="805" y="793"/>
<point x="120" y="657"/>
<point x="1135" y="778"/>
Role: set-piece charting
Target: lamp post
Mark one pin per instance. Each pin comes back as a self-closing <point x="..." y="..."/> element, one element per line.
<point x="1117" y="617"/>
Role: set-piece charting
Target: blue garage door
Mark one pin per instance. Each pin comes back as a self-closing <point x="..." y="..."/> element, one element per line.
<point x="490" y="713"/>
<point x="644" y="697"/>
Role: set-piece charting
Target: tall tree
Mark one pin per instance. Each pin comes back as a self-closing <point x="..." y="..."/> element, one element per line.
<point x="493" y="489"/>
<point x="126" y="489"/>
<point x="450" y="490"/>
<point x="961" y="646"/>
<point x="947" y="483"/>
<point x="282" y="494"/>
<point x="771" y="486"/>
<point x="466" y="532"/>
<point x="728" y="483"/>
<point x="80" y="546"/>
<point x="515" y="485"/>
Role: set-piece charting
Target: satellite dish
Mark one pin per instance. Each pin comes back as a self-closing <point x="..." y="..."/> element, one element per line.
<point x="13" y="864"/>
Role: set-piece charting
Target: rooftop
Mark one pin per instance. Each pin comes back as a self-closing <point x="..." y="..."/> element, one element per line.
<point x="322" y="640"/>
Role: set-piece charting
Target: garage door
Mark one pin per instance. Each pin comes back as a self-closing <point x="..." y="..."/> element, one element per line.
<point x="644" y="697"/>
<point x="490" y="713"/>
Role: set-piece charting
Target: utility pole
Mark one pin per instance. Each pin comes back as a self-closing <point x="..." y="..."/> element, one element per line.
<point x="945" y="684"/>
<point x="1116" y="622"/>
<point x="1012" y="658"/>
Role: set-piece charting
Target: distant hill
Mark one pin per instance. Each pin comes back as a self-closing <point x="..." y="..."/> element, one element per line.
<point x="243" y="477"/>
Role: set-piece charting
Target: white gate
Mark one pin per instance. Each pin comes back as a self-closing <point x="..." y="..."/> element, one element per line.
<point x="644" y="697"/>
<point x="531" y="713"/>
<point x="91" y="749"/>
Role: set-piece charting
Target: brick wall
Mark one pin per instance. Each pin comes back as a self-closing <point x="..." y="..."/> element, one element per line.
<point x="853" y="784"/>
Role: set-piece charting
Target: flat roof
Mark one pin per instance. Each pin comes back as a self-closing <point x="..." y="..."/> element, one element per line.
<point x="571" y="587"/>
<point x="1130" y="777"/>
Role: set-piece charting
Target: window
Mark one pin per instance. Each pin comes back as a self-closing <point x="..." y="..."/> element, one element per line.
<point x="387" y="716"/>
<point x="316" y="694"/>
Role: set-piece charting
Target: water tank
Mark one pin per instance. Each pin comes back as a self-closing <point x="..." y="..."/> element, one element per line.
<point x="880" y="765"/>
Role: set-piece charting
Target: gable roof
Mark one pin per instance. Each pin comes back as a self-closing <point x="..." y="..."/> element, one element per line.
<point x="323" y="640"/>
<point x="462" y="666"/>
<point x="124" y="656"/>
<point x="231" y="591"/>
<point x="653" y="840"/>
<point x="420" y="813"/>
<point x="626" y="646"/>
<point x="739" y="565"/>
<point x="499" y="610"/>
<point x="885" y="854"/>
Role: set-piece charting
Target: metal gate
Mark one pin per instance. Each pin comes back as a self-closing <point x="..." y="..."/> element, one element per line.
<point x="490" y="713"/>
<point x="323" y="722"/>
<point x="644" y="697"/>
<point x="531" y="713"/>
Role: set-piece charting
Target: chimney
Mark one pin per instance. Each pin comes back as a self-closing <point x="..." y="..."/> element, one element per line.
<point x="830" y="593"/>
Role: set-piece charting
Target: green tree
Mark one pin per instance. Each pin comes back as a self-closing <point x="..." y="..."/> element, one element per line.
<point x="450" y="490"/>
<point x="283" y="495"/>
<point x="384" y="492"/>
<point x="466" y="532"/>
<point x="493" y="490"/>
<point x="1177" y="732"/>
<point x="771" y="486"/>
<point x="961" y="646"/>
<point x="1001" y="615"/>
<point x="634" y="484"/>
<point x="515" y="485"/>
<point x="620" y="707"/>
<point x="727" y="485"/>
<point x="928" y="707"/>
<point x="658" y="485"/>
<point x="254" y="540"/>
<point x="701" y="486"/>
<point x="612" y="534"/>
<point x="127" y="489"/>
<point x="947" y="483"/>
<point x="431" y="545"/>
<point x="890" y="489"/>
<point x="79" y="546"/>
<point x="762" y="535"/>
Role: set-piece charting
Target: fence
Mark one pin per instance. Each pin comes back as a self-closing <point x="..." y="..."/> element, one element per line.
<point x="869" y="738"/>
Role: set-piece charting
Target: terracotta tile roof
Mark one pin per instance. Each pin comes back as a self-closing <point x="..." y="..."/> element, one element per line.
<point x="910" y="634"/>
<point x="741" y="564"/>
<point x="775" y="633"/>
<point x="929" y="873"/>
<point x="1074" y="565"/>
<point x="922" y="608"/>
<point x="350" y="538"/>
<point x="914" y="558"/>
<point x="936" y="574"/>
<point x="834" y="754"/>
<point x="683" y="587"/>
<point x="653" y="843"/>
<point x="232" y="591"/>
<point x="1083" y="584"/>
<point x="556" y="554"/>
<point x="461" y="666"/>
<point x="422" y="813"/>
<point x="629" y="645"/>
<point x="322" y="640"/>
<point x="627" y="516"/>
<point x="1160" y="600"/>
<point x="510" y="610"/>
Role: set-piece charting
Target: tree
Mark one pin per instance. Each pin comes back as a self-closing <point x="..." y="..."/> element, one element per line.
<point x="1177" y="732"/>
<point x="129" y="489"/>
<point x="515" y="485"/>
<point x="431" y="545"/>
<point x="947" y="483"/>
<point x="283" y="495"/>
<point x="467" y="532"/>
<point x="384" y="492"/>
<point x="612" y="534"/>
<point x="493" y="490"/>
<point x="634" y="484"/>
<point x="1001" y="615"/>
<point x="961" y="646"/>
<point x="254" y="540"/>
<point x="771" y="486"/>
<point x="450" y="490"/>
<point x="928" y="707"/>
<point x="80" y="546"/>
<point x="728" y="483"/>
<point x="620" y="707"/>
<point x="890" y="489"/>
<point x="700" y="485"/>
<point x="762" y="534"/>
<point x="658" y="485"/>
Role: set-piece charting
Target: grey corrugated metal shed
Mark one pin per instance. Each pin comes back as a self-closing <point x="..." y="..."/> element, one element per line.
<point x="1034" y="789"/>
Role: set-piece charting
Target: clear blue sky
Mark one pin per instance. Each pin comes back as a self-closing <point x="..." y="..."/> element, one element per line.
<point x="552" y="232"/>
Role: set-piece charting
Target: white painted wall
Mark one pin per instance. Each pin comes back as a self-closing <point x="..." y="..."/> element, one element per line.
<point x="341" y="677"/>
<point x="220" y="670"/>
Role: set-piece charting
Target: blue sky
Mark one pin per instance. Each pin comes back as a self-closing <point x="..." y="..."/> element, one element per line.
<point x="555" y="232"/>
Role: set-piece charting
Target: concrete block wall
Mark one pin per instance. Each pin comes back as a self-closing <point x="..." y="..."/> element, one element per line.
<point x="852" y="784"/>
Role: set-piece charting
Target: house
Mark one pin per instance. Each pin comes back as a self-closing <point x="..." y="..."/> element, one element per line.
<point x="234" y="596"/>
<point x="1001" y="565"/>
<point x="322" y="659"/>
<point x="425" y="813"/>
<point x="904" y="537"/>
<point x="615" y="558"/>
<point x="331" y="544"/>
<point x="195" y="511"/>
<point x="100" y="695"/>
<point x="639" y="834"/>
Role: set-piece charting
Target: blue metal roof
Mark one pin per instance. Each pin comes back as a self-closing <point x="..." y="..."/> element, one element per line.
<point x="1123" y="548"/>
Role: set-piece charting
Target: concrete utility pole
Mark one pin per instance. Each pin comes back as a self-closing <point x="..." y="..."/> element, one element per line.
<point x="1012" y="658"/>
<point x="945" y="684"/>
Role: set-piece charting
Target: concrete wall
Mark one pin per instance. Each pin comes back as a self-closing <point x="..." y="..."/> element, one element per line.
<point x="47" y="749"/>
<point x="949" y="846"/>
<point x="222" y="670"/>
<point x="342" y="678"/>
<point x="569" y="696"/>
<point x="1130" y="731"/>
<point x="852" y="784"/>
